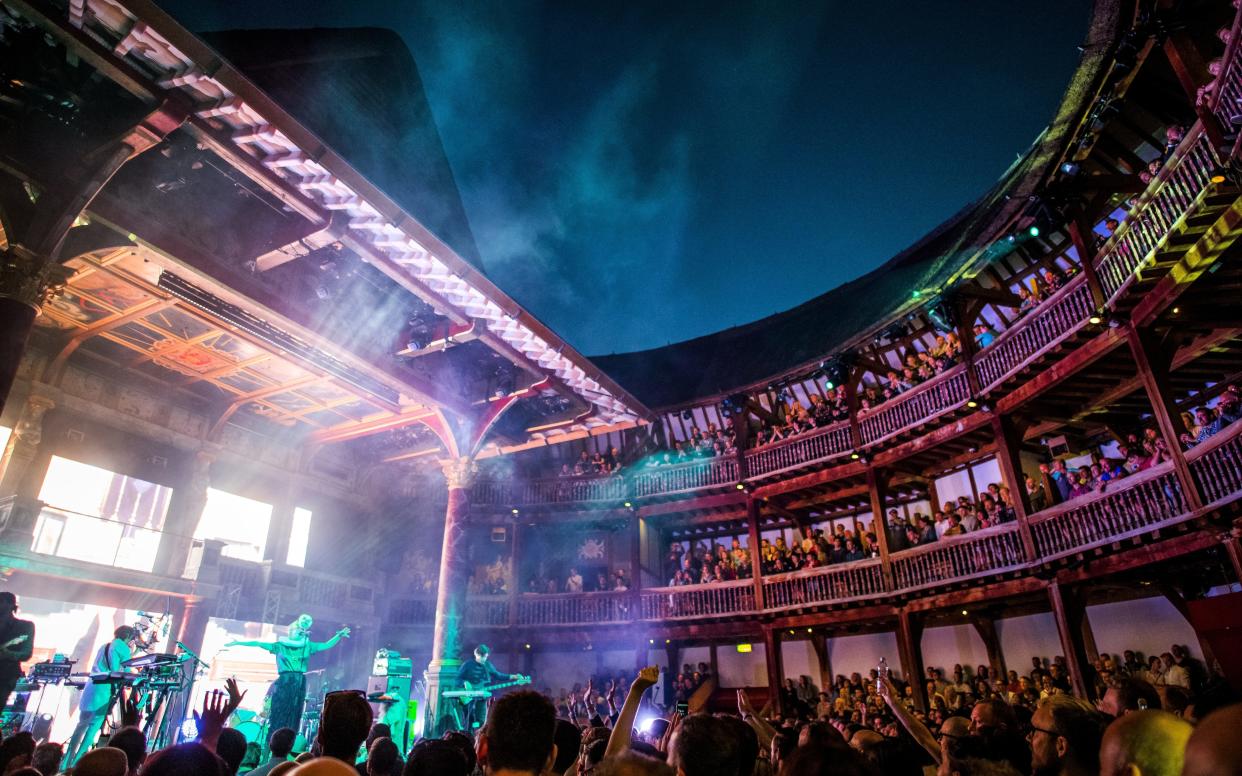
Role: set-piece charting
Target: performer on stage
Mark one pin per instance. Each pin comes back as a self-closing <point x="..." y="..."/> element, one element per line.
<point x="93" y="706"/>
<point x="292" y="653"/>
<point x="477" y="673"/>
<point x="16" y="645"/>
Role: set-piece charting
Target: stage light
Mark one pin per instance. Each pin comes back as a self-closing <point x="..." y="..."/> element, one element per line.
<point x="740" y="486"/>
<point x="854" y="456"/>
<point x="1033" y="231"/>
<point x="1011" y="238"/>
<point x="644" y="725"/>
<point x="972" y="403"/>
<point x="1176" y="310"/>
<point x="528" y="646"/>
<point x="515" y="510"/>
<point x="1069" y="168"/>
<point x="650" y="641"/>
<point x="828" y="384"/>
<point x="189" y="730"/>
<point x="628" y="505"/>
<point x="964" y="612"/>
<point x="1218" y="176"/>
<point x="667" y="641"/>
<point x="791" y="632"/>
<point x="808" y="630"/>
<point x="917" y="293"/>
<point x="1095" y="319"/>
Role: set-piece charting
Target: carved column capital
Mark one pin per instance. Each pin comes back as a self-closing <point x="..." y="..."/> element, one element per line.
<point x="29" y="427"/>
<point x="459" y="472"/>
<point x="30" y="279"/>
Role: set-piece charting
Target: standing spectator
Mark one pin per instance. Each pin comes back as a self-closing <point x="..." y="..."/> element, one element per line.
<point x="19" y="634"/>
<point x="520" y="736"/>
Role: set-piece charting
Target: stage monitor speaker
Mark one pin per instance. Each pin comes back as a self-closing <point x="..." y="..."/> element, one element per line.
<point x="392" y="714"/>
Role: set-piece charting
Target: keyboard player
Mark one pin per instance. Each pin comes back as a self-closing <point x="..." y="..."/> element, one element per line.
<point x="475" y="674"/>
<point x="97" y="697"/>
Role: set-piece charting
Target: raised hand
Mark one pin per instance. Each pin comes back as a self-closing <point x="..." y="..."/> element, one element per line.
<point x="343" y="632"/>
<point x="611" y="690"/>
<point x="744" y="706"/>
<point x="647" y="677"/>
<point x="211" y="720"/>
<point x="235" y="695"/>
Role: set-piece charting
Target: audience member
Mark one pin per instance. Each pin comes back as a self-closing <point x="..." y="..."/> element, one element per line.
<point x="1144" y="743"/>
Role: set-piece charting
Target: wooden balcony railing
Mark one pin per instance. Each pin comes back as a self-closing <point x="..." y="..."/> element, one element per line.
<point x="1216" y="465"/>
<point x="660" y="480"/>
<point x="558" y="490"/>
<point x="490" y="610"/>
<point x="1059" y="317"/>
<point x="976" y="554"/>
<point x="575" y="608"/>
<point x="838" y="582"/>
<point x="1170" y="198"/>
<point x="1132" y="506"/>
<point x="814" y="446"/>
<point x="720" y="598"/>
<point x="942" y="393"/>
<point x="412" y="611"/>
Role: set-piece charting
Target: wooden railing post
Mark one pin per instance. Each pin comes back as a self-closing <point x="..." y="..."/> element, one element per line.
<point x="775" y="664"/>
<point x="1153" y="369"/>
<point x="819" y="642"/>
<point x="515" y="583"/>
<point x="636" y="565"/>
<point x="910" y="647"/>
<point x="756" y="558"/>
<point x="1008" y="457"/>
<point x="1082" y="236"/>
<point x="877" y="484"/>
<point x="964" y="320"/>
<point x="851" y="403"/>
<point x="986" y="628"/>
<point x="1071" y="616"/>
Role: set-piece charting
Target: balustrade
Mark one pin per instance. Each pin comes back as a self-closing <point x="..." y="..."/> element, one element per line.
<point x="1057" y="318"/>
<point x="988" y="551"/>
<point x="412" y="611"/>
<point x="719" y="598"/>
<point x="1216" y="464"/>
<point x="557" y="490"/>
<point x="575" y="608"/>
<point x="1226" y="102"/>
<point x="917" y="405"/>
<point x="1170" y="198"/>
<point x="659" y="480"/>
<point x="838" y="582"/>
<point x="487" y="610"/>
<point x="814" y="446"/>
<point x="1126" y="508"/>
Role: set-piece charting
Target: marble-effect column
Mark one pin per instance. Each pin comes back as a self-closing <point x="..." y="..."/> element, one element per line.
<point x="446" y="649"/>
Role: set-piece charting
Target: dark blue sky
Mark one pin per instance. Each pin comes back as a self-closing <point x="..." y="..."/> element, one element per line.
<point x="637" y="173"/>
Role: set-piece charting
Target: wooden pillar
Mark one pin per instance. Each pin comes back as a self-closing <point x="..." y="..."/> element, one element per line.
<point x="1153" y="370"/>
<point x="877" y="482"/>
<point x="851" y="403"/>
<point x="1008" y="458"/>
<point x="964" y="312"/>
<point x="1071" y="617"/>
<point x="515" y="584"/>
<point x="1083" y="237"/>
<point x="752" y="528"/>
<point x="819" y="642"/>
<point x="1233" y="550"/>
<point x="932" y="495"/>
<point x="775" y="664"/>
<point x="715" y="669"/>
<point x="910" y="649"/>
<point x="986" y="628"/>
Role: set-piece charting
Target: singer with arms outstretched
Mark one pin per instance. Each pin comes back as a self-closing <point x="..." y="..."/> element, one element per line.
<point x="292" y="654"/>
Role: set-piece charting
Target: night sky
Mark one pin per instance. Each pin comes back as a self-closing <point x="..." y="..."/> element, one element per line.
<point x="638" y="173"/>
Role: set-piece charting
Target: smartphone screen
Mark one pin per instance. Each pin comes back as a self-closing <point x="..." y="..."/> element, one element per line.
<point x="682" y="708"/>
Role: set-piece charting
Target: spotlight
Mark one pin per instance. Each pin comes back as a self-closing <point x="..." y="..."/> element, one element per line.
<point x="667" y="641"/>
<point x="1177" y="310"/>
<point x="808" y="630"/>
<point x="1033" y="231"/>
<point x="515" y="510"/>
<point x="917" y="293"/>
<point x="528" y="646"/>
<point x="1218" y="176"/>
<point x="1011" y="239"/>
<point x="628" y="505"/>
<point x="964" y="612"/>
<point x="189" y="730"/>
<point x="854" y="456"/>
<point x="972" y="403"/>
<point x="1095" y="319"/>
<point x="791" y="632"/>
<point x="1069" y="168"/>
<point x="650" y="641"/>
<point x="740" y="486"/>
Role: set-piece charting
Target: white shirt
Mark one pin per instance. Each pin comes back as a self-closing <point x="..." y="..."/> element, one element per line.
<point x="110" y="657"/>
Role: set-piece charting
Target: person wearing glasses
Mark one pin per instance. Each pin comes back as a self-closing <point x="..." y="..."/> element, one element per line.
<point x="292" y="653"/>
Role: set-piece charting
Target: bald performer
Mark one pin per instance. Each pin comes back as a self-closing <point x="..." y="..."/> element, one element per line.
<point x="1215" y="748"/>
<point x="1144" y="743"/>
